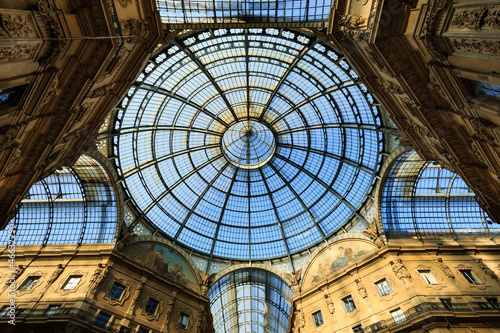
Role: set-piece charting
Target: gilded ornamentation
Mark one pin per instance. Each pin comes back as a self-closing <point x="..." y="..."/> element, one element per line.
<point x="17" y="52"/>
<point x="300" y="321"/>
<point x="372" y="232"/>
<point x="136" y="29"/>
<point x="52" y="91"/>
<point x="295" y="279"/>
<point x="205" y="281"/>
<point x="15" y="26"/>
<point x="354" y="25"/>
<point x="391" y="87"/>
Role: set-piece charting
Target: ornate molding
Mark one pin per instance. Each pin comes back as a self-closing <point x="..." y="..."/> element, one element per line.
<point x="125" y="295"/>
<point x="62" y="282"/>
<point x="16" y="26"/>
<point x="159" y="309"/>
<point x="473" y="45"/>
<point x="484" y="18"/>
<point x="19" y="52"/>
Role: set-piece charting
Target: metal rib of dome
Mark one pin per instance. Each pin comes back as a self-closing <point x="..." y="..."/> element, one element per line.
<point x="248" y="144"/>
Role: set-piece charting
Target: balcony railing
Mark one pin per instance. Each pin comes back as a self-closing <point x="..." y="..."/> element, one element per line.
<point x="79" y="314"/>
<point x="428" y="307"/>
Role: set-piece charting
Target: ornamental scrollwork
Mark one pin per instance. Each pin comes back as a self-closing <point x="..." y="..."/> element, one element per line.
<point x="15" y="26"/>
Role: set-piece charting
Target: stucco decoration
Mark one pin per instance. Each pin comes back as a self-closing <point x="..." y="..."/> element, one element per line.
<point x="164" y="261"/>
<point x="336" y="257"/>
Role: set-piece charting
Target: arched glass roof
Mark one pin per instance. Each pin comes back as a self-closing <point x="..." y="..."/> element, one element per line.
<point x="250" y="301"/>
<point x="248" y="144"/>
<point x="420" y="199"/>
<point x="72" y="206"/>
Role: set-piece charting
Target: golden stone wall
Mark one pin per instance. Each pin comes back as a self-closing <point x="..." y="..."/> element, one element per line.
<point x="445" y="299"/>
<point x="99" y="268"/>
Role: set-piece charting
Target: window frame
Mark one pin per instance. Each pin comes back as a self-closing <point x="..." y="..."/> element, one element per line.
<point x="348" y="302"/>
<point x="157" y="305"/>
<point x="180" y="321"/>
<point x="398" y="316"/>
<point x="358" y="329"/>
<point x="470" y="277"/>
<point x="68" y="280"/>
<point x="113" y="290"/>
<point x="34" y="279"/>
<point x="384" y="284"/>
<point x="425" y="274"/>
<point x="317" y="317"/>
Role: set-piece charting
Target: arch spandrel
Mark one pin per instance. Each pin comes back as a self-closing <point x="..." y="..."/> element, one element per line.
<point x="335" y="257"/>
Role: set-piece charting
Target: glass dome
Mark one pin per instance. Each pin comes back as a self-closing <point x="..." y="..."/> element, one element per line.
<point x="248" y="143"/>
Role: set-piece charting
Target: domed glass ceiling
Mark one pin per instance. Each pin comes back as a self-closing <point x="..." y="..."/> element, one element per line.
<point x="248" y="144"/>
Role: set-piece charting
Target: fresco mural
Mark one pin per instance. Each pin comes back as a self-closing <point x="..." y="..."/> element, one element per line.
<point x="168" y="264"/>
<point x="334" y="258"/>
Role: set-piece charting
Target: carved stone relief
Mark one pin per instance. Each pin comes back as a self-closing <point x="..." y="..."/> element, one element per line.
<point x="15" y="26"/>
<point x="354" y="25"/>
<point x="122" y="298"/>
<point x="124" y="3"/>
<point x="482" y="46"/>
<point x="17" y="52"/>
<point x="484" y="18"/>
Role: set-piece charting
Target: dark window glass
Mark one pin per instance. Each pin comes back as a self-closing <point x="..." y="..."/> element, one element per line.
<point x="102" y="319"/>
<point x="469" y="276"/>
<point x="142" y="330"/>
<point x="447" y="303"/>
<point x="151" y="306"/>
<point x="318" y="318"/>
<point x="116" y="291"/>
<point x="358" y="329"/>
<point x="493" y="302"/>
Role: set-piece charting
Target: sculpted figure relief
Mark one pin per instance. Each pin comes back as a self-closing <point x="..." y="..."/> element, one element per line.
<point x="486" y="269"/>
<point x="400" y="270"/>
<point x="446" y="270"/>
<point x="295" y="279"/>
<point x="372" y="232"/>
<point x="99" y="275"/>
<point x="361" y="289"/>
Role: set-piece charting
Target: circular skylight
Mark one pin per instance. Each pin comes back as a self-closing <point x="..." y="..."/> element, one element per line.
<point x="248" y="144"/>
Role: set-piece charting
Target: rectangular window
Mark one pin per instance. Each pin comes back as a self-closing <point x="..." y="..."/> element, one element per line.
<point x="447" y="303"/>
<point x="398" y="316"/>
<point x="142" y="330"/>
<point x="72" y="282"/>
<point x="427" y="276"/>
<point x="52" y="310"/>
<point x="318" y="318"/>
<point x="383" y="287"/>
<point x="358" y="329"/>
<point x="151" y="306"/>
<point x="102" y="319"/>
<point x="349" y="304"/>
<point x="29" y="283"/>
<point x="116" y="291"/>
<point x="183" y="320"/>
<point x="469" y="276"/>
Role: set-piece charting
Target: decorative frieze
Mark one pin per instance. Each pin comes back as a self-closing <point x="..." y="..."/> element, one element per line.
<point x="482" y="46"/>
<point x="17" y="52"/>
<point x="484" y="18"/>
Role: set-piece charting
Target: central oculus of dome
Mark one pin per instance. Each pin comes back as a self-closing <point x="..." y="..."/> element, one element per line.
<point x="248" y="144"/>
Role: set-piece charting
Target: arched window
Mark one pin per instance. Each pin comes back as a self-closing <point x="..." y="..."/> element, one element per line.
<point x="250" y="300"/>
<point x="421" y="199"/>
<point x="72" y="206"/>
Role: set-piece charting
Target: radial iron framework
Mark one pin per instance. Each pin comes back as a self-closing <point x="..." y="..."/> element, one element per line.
<point x="248" y="143"/>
